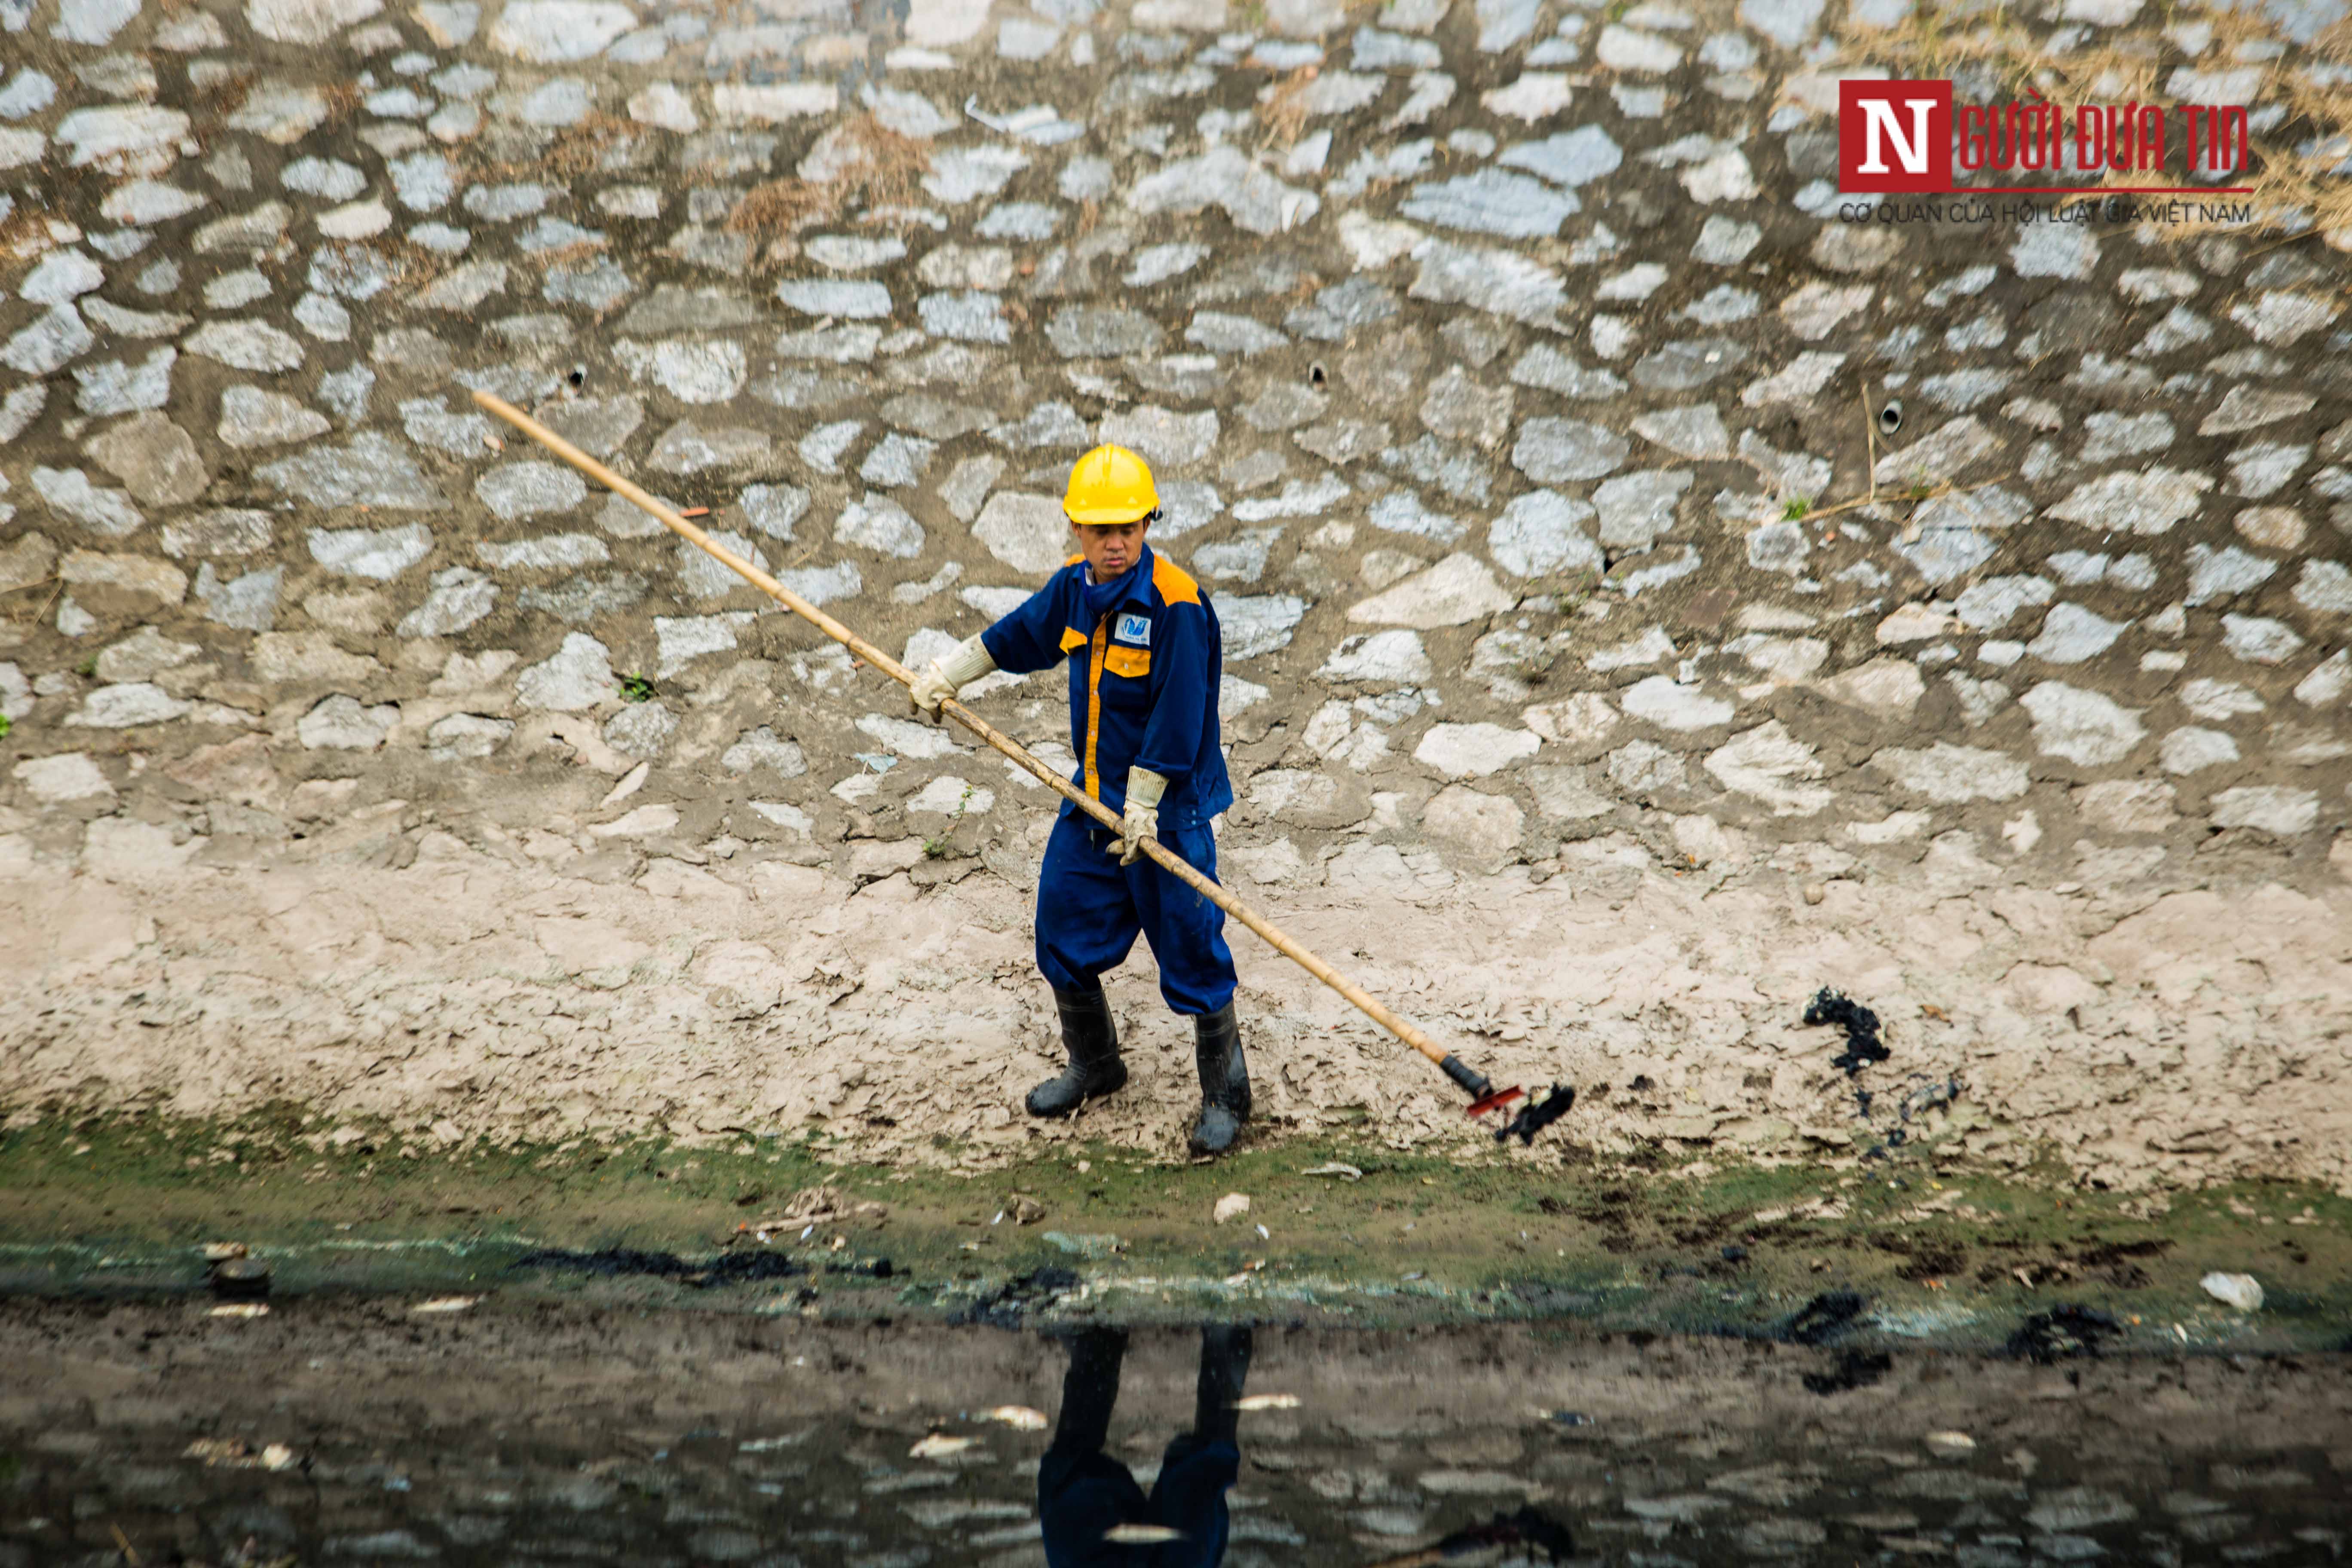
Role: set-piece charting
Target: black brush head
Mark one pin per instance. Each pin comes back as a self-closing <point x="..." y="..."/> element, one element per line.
<point x="1534" y="1117"/>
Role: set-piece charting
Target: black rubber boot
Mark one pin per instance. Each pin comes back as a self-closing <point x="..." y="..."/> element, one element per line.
<point x="1225" y="1369"/>
<point x="1092" y="1041"/>
<point x="1224" y="1081"/>
<point x="1089" y="1390"/>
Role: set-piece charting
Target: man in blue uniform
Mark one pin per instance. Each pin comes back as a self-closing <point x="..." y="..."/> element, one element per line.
<point x="1141" y="639"/>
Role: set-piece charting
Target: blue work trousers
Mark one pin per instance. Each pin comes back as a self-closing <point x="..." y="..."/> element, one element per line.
<point x="1089" y="909"/>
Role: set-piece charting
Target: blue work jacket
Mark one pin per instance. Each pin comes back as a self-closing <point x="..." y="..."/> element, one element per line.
<point x="1143" y="683"/>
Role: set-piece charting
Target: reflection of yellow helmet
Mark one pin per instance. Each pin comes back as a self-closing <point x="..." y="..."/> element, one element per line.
<point x="1111" y="486"/>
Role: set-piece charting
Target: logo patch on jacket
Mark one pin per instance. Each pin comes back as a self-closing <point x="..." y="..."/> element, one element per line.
<point x="1135" y="629"/>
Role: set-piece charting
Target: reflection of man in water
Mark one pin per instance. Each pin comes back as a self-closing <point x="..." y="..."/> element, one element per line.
<point x="1083" y="1494"/>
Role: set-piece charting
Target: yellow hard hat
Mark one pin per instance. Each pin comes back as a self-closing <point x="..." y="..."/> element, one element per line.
<point x="1111" y="486"/>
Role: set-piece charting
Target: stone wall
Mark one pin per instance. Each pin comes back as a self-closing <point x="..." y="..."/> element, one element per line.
<point x="1513" y="385"/>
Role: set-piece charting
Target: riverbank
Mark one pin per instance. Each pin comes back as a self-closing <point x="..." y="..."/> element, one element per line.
<point x="1931" y="1250"/>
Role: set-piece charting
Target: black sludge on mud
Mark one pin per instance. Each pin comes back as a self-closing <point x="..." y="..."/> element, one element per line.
<point x="1862" y="1045"/>
<point x="623" y="1262"/>
<point x="2063" y="1332"/>
<point x="1824" y="1318"/>
<point x="1003" y="1309"/>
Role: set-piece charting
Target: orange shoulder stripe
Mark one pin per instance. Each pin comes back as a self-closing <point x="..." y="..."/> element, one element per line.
<point x="1175" y="584"/>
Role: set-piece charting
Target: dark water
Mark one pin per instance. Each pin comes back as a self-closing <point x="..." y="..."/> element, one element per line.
<point x="348" y="1434"/>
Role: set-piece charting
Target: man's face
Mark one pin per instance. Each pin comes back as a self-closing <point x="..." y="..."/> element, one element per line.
<point x="1109" y="551"/>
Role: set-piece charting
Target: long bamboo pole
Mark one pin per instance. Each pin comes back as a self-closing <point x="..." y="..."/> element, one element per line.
<point x="1281" y="941"/>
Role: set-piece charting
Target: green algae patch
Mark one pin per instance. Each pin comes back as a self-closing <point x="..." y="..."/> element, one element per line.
<point x="1331" y="1230"/>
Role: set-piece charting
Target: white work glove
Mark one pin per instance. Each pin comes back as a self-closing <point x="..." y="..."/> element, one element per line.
<point x="1144" y="789"/>
<point x="938" y="682"/>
